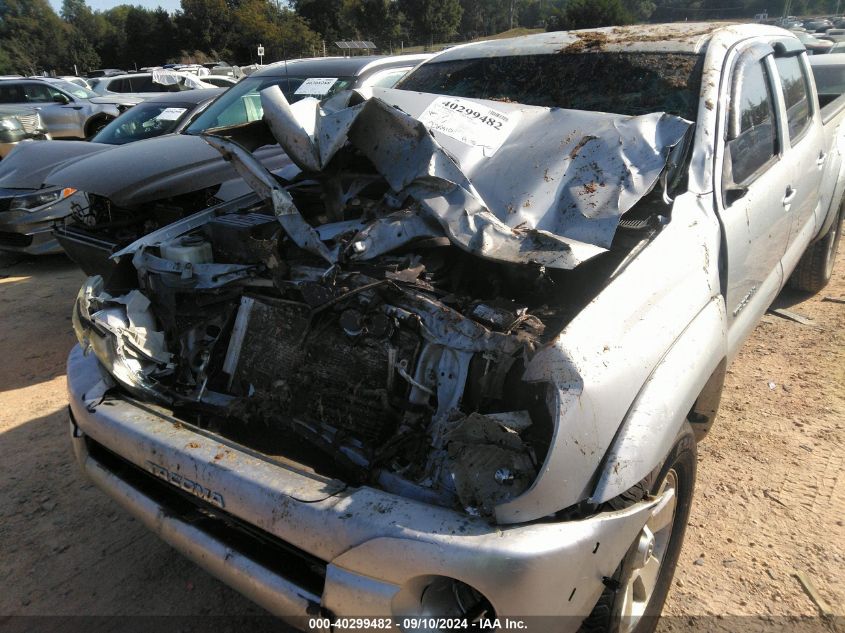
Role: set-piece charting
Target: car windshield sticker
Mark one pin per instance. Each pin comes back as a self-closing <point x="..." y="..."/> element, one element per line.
<point x="171" y="114"/>
<point x="469" y="122"/>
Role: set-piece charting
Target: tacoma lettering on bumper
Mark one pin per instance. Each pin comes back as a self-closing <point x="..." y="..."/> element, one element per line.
<point x="327" y="547"/>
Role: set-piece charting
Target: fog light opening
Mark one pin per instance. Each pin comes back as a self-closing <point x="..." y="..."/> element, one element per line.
<point x="450" y="598"/>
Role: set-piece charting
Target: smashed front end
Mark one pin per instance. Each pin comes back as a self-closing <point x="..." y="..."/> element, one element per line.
<point x="372" y="316"/>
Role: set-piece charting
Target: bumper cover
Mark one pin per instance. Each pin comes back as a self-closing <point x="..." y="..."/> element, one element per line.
<point x="378" y="550"/>
<point x="32" y="232"/>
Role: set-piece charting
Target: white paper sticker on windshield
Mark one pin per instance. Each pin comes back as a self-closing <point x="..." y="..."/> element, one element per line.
<point x="171" y="114"/>
<point x="315" y="86"/>
<point x="469" y="122"/>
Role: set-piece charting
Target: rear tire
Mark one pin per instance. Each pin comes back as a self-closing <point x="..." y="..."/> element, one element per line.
<point x="613" y="612"/>
<point x="816" y="266"/>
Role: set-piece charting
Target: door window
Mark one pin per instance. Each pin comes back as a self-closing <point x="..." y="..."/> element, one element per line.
<point x="143" y="84"/>
<point x="37" y="93"/>
<point x="11" y="93"/>
<point x="386" y="78"/>
<point x="752" y="129"/>
<point x="793" y="81"/>
<point x="119" y="85"/>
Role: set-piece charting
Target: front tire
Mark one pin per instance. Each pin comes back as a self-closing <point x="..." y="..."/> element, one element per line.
<point x="93" y="128"/>
<point x="635" y="595"/>
<point x="816" y="266"/>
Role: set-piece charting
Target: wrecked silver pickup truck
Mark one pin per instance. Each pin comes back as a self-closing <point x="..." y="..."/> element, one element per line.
<point x="455" y="362"/>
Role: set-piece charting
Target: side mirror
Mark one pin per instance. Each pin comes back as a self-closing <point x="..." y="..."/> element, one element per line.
<point x="61" y="98"/>
<point x="734" y="194"/>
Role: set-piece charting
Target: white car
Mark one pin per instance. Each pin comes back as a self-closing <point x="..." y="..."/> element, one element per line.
<point x="148" y="83"/>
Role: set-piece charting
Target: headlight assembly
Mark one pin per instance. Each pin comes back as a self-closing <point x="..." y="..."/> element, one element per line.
<point x="39" y="199"/>
<point x="121" y="333"/>
<point x="11" y="125"/>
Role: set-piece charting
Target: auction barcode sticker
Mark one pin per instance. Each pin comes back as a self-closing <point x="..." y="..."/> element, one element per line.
<point x="469" y="122"/>
<point x="315" y="86"/>
<point x="171" y="114"/>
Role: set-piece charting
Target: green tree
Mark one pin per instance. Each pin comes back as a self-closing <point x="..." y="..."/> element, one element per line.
<point x="81" y="54"/>
<point x="378" y="20"/>
<point x="6" y="65"/>
<point x="483" y="17"/>
<point x="32" y="37"/>
<point x="325" y="17"/>
<point x="432" y="20"/>
<point x="536" y="13"/>
<point x="587" y="14"/>
<point x="205" y="24"/>
<point x="283" y="33"/>
<point x="84" y="34"/>
<point x="140" y="33"/>
<point x="639" y="10"/>
<point x="112" y="42"/>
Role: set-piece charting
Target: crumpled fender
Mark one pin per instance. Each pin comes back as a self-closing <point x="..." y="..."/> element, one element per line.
<point x="651" y="426"/>
<point x="607" y="355"/>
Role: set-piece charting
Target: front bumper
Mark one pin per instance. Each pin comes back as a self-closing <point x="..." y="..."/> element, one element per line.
<point x="373" y="552"/>
<point x="32" y="232"/>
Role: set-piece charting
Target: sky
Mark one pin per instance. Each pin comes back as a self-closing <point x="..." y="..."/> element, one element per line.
<point x="170" y="5"/>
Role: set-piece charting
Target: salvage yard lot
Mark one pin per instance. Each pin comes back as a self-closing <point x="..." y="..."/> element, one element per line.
<point x="770" y="498"/>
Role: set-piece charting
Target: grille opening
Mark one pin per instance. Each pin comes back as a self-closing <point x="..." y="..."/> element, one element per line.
<point x="286" y="560"/>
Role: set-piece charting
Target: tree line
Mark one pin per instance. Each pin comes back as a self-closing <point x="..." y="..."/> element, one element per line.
<point x="34" y="38"/>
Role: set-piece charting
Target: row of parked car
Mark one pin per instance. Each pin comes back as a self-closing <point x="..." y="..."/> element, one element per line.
<point x="438" y="351"/>
<point x="819" y="35"/>
<point x="74" y="107"/>
<point x="149" y="166"/>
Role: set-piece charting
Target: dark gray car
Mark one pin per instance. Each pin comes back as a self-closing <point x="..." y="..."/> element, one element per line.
<point x="67" y="110"/>
<point x="28" y="210"/>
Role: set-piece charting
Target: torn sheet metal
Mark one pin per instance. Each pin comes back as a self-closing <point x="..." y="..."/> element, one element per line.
<point x="122" y="332"/>
<point x="489" y="463"/>
<point x="198" y="276"/>
<point x="546" y="186"/>
<point x="312" y="135"/>
<point x="562" y="173"/>
<point x="266" y="186"/>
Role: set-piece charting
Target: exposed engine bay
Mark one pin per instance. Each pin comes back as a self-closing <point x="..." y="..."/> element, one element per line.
<point x="340" y="323"/>
<point x="124" y="225"/>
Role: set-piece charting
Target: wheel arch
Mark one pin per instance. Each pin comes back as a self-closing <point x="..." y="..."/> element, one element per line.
<point x="94" y="120"/>
<point x="686" y="383"/>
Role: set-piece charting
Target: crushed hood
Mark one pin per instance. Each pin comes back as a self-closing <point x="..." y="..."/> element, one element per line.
<point x="154" y="169"/>
<point x="29" y="166"/>
<point x="505" y="181"/>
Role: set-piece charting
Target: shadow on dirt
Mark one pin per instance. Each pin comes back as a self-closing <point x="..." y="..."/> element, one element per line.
<point x="69" y="550"/>
<point x="36" y="299"/>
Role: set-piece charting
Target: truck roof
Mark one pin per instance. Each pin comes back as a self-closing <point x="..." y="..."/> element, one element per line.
<point x="678" y="37"/>
<point x="339" y="66"/>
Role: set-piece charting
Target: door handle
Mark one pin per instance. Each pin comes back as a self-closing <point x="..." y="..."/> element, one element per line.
<point x="822" y="158"/>
<point x="789" y="197"/>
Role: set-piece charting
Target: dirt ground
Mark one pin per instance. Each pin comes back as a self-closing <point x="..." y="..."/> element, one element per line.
<point x="770" y="498"/>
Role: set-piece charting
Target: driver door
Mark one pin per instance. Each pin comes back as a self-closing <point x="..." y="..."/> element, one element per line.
<point x="756" y="185"/>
